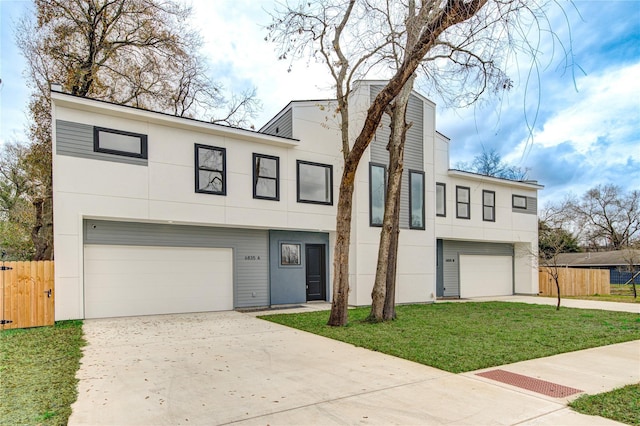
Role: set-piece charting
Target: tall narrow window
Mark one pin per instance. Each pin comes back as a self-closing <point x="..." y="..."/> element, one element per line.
<point x="463" y="202"/>
<point x="377" y="191"/>
<point x="489" y="206"/>
<point x="416" y="199"/>
<point x="118" y="142"/>
<point x="315" y="183"/>
<point x="266" y="175"/>
<point x="441" y="199"/>
<point x="211" y="170"/>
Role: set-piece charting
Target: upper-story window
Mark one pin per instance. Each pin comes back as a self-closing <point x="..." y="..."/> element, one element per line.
<point x="118" y="142"/>
<point x="211" y="169"/>
<point x="489" y="206"/>
<point x="463" y="202"/>
<point x="315" y="182"/>
<point x="377" y="192"/>
<point x="441" y="199"/>
<point x="416" y="199"/>
<point x="519" y="202"/>
<point x="266" y="177"/>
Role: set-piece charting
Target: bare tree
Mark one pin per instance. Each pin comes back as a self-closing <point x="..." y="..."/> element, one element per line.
<point x="489" y="163"/>
<point x="609" y="217"/>
<point x="141" y="53"/>
<point x="459" y="36"/>
<point x="554" y="239"/>
<point x="631" y="255"/>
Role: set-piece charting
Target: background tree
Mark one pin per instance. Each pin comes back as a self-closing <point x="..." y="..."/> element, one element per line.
<point x="489" y="163"/>
<point x="462" y="37"/>
<point x="141" y="53"/>
<point x="554" y="239"/>
<point x="609" y="217"/>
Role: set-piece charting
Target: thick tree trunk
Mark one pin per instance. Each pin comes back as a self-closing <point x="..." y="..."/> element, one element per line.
<point x="389" y="312"/>
<point x="42" y="231"/>
<point x="391" y="209"/>
<point x="340" y="300"/>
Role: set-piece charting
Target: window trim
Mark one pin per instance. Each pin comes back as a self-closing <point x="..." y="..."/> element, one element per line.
<point x="468" y="203"/>
<point x="444" y="199"/>
<point x="384" y="195"/>
<point x="143" y="143"/>
<point x="310" y="163"/>
<point x="256" y="177"/>
<point x="197" y="168"/>
<point x="493" y="207"/>
<point x="513" y="202"/>
<point x="421" y="173"/>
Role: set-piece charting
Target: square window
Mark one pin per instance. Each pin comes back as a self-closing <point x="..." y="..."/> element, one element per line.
<point x="519" y="202"/>
<point x="289" y="254"/>
<point x="315" y="183"/>
<point x="377" y="193"/>
<point x="441" y="199"/>
<point x="266" y="176"/>
<point x="416" y="199"/>
<point x="210" y="169"/>
<point x="118" y="142"/>
<point x="463" y="203"/>
<point x="489" y="206"/>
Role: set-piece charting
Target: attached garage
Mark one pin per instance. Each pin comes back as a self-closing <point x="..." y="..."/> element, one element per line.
<point x="485" y="276"/>
<point x="474" y="269"/>
<point x="145" y="280"/>
<point x="133" y="268"/>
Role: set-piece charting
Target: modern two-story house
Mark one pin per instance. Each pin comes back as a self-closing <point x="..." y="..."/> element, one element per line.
<point x="160" y="214"/>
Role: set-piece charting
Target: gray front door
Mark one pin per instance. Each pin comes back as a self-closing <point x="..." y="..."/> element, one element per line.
<point x="315" y="272"/>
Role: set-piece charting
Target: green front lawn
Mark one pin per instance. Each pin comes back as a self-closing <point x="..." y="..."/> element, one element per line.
<point x="459" y="337"/>
<point x="622" y="405"/>
<point x="619" y="293"/>
<point x="37" y="373"/>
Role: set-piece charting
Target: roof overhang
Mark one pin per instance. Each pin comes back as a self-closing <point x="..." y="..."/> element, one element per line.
<point x="530" y="185"/>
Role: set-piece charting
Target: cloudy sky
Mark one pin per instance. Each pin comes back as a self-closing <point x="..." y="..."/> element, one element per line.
<point x="574" y="128"/>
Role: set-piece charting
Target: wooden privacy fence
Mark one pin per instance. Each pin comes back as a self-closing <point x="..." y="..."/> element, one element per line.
<point x="26" y="294"/>
<point x="574" y="282"/>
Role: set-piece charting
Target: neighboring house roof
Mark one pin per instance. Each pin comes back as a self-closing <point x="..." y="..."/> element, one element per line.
<point x="599" y="258"/>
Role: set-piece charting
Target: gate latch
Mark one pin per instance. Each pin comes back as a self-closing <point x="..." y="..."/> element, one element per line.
<point x="48" y="293"/>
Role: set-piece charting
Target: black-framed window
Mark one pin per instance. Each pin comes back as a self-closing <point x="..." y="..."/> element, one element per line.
<point x="488" y="206"/>
<point x="266" y="177"/>
<point x="377" y="193"/>
<point x="441" y="199"/>
<point x="416" y="199"/>
<point x="290" y="254"/>
<point x="519" y="202"/>
<point x="315" y="182"/>
<point x="119" y="142"/>
<point x="211" y="169"/>
<point x="463" y="202"/>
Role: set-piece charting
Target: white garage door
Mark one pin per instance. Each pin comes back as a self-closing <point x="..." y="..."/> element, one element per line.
<point x="485" y="276"/>
<point x="141" y="280"/>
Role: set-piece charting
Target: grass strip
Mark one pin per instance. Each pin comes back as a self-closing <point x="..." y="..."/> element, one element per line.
<point x="460" y="337"/>
<point x="37" y="373"/>
<point x="622" y="405"/>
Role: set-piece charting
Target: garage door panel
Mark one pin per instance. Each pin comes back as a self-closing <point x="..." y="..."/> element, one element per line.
<point x="482" y="275"/>
<point x="141" y="280"/>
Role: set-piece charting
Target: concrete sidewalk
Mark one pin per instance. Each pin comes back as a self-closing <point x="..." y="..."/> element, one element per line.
<point x="229" y="367"/>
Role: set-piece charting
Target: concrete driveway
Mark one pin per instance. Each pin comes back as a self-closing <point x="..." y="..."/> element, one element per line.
<point x="229" y="367"/>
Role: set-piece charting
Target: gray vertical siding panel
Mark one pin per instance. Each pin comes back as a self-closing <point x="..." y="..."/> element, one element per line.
<point x="251" y="249"/>
<point x="76" y="140"/>
<point x="283" y="126"/>
<point x="413" y="150"/>
<point x="451" y="268"/>
<point x="532" y="207"/>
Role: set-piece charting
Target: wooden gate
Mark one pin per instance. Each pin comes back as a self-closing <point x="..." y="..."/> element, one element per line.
<point x="574" y="282"/>
<point x="26" y="294"/>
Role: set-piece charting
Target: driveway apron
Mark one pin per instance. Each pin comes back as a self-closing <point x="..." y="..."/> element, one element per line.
<point x="228" y="367"/>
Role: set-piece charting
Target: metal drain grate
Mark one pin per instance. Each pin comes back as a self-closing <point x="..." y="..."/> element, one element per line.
<point x="529" y="383"/>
